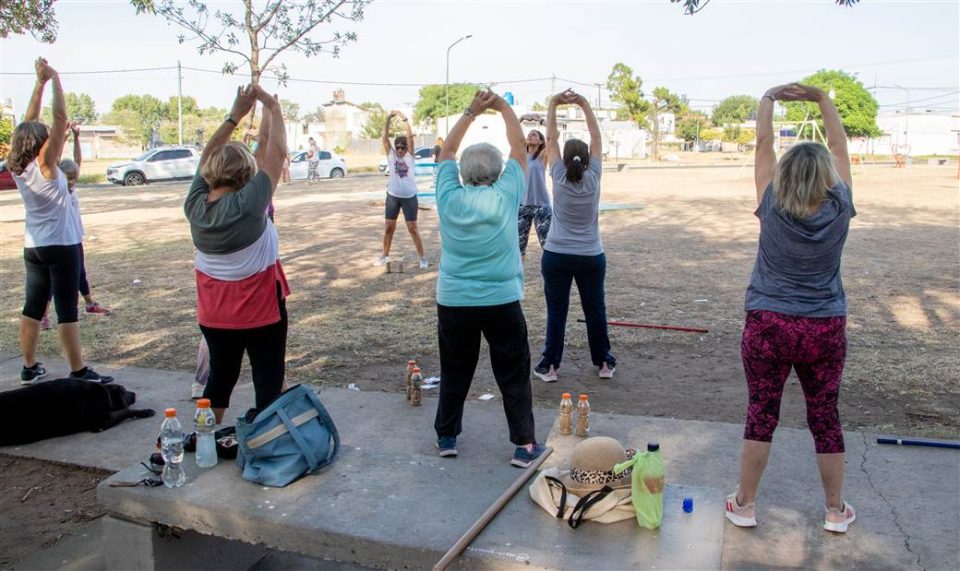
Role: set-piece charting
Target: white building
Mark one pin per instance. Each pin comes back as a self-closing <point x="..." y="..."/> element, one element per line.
<point x="925" y="132"/>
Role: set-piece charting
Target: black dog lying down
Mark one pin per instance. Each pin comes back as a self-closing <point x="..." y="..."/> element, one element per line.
<point x="61" y="407"/>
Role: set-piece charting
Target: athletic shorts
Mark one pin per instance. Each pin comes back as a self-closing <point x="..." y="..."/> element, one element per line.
<point x="395" y="204"/>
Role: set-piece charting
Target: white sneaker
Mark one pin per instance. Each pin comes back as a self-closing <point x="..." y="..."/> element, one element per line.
<point x="196" y="390"/>
<point x="424" y="264"/>
<point x="838" y="521"/>
<point x="606" y="372"/>
<point x="382" y="260"/>
<point x="548" y="376"/>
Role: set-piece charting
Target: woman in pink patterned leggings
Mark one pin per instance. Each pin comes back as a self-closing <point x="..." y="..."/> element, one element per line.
<point x="795" y="303"/>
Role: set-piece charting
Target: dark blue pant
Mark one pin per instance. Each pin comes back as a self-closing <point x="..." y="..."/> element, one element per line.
<point x="559" y="271"/>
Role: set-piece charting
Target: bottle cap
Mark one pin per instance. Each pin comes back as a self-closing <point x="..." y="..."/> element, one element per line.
<point x="653" y="446"/>
<point x="565" y="395"/>
<point x="583" y="396"/>
<point x="416" y="369"/>
<point x="203" y="403"/>
<point x="170" y="412"/>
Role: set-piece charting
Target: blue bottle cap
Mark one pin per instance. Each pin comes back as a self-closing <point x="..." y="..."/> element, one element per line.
<point x="688" y="505"/>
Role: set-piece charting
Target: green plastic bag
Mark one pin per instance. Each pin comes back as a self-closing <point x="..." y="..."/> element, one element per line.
<point x="647" y="482"/>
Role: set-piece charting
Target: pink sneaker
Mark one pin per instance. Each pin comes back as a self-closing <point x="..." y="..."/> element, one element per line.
<point x="838" y="521"/>
<point x="97" y="308"/>
<point x="741" y="516"/>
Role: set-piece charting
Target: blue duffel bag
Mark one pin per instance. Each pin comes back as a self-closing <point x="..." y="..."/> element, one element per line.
<point x="292" y="437"/>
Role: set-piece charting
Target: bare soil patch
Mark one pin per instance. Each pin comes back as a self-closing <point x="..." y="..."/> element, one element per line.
<point x="43" y="502"/>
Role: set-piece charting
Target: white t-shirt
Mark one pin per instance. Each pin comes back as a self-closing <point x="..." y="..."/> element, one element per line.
<point x="52" y="215"/>
<point x="401" y="182"/>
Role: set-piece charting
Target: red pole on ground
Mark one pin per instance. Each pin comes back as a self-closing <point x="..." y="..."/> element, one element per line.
<point x="646" y="326"/>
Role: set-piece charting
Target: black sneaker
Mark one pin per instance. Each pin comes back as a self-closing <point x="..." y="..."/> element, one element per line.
<point x="88" y="374"/>
<point x="30" y="375"/>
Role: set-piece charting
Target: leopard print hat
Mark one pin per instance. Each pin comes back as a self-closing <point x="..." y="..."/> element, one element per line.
<point x="591" y="465"/>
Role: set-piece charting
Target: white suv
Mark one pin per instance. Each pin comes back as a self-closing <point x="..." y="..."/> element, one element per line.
<point x="165" y="163"/>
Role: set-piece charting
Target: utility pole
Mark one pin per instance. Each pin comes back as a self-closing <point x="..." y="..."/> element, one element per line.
<point x="179" y="104"/>
<point x="446" y="87"/>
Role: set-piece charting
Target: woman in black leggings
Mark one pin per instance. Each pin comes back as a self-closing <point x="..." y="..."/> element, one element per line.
<point x="53" y="232"/>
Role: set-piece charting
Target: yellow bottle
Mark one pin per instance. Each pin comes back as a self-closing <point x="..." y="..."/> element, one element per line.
<point x="583" y="416"/>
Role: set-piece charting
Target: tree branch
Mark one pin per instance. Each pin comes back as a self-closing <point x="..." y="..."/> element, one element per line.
<point x="304" y="32"/>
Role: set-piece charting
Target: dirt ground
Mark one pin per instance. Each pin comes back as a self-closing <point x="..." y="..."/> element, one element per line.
<point x="42" y="502"/>
<point x="681" y="255"/>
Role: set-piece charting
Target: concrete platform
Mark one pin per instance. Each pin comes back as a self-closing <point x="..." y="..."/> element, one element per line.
<point x="908" y="499"/>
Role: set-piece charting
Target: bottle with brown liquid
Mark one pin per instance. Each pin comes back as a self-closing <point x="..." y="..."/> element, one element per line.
<point x="566" y="414"/>
<point x="583" y="416"/>
<point x="407" y="385"/>
<point x="416" y="392"/>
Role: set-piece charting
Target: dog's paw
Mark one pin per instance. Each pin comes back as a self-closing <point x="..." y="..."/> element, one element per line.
<point x="144" y="413"/>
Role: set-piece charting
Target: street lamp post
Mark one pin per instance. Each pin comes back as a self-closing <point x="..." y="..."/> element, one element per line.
<point x="446" y="89"/>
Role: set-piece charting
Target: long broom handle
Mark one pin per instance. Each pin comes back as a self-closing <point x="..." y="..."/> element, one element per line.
<point x="930" y="443"/>
<point x="646" y="326"/>
<point x="491" y="513"/>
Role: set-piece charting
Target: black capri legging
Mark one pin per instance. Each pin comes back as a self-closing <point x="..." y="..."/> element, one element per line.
<point x="267" y="348"/>
<point x="52" y="270"/>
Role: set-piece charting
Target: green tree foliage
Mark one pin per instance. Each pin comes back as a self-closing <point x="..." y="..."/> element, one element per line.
<point x="6" y="133"/>
<point x="432" y="102"/>
<point x="735" y="109"/>
<point x="691" y="125"/>
<point x="691" y="7"/>
<point x="34" y="17"/>
<point x="137" y="115"/>
<point x="856" y="106"/>
<point x="80" y="107"/>
<point x="373" y="128"/>
<point x="626" y="90"/>
<point x="291" y="110"/>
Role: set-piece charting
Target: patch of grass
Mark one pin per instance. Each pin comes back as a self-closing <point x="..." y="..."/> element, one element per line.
<point x="91" y="178"/>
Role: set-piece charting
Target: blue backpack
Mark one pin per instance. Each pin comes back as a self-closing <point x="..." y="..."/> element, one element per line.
<point x="292" y="437"/>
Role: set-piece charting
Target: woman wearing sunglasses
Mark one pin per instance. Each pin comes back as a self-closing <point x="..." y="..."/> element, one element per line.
<point x="401" y="189"/>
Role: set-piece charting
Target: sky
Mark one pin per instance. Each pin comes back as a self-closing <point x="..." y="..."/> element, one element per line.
<point x="731" y="47"/>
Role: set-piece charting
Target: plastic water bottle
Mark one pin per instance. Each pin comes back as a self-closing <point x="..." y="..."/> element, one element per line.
<point x="408" y="385"/>
<point x="648" y="482"/>
<point x="416" y="387"/>
<point x="205" y="423"/>
<point x="171" y="448"/>
<point x="566" y="414"/>
<point x="583" y="415"/>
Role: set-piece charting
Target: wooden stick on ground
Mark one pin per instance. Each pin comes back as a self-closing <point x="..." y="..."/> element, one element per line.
<point x="491" y="513"/>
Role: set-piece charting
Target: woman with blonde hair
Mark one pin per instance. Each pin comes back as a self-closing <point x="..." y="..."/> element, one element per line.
<point x="241" y="287"/>
<point x="795" y="304"/>
<point x="53" y="232"/>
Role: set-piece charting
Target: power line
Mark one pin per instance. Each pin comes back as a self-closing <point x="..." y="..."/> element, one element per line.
<point x="93" y="72"/>
<point x="914" y="101"/>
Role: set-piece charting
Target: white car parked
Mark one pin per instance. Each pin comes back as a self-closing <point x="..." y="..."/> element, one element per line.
<point x="331" y="165"/>
<point x="165" y="163"/>
<point x="422" y="166"/>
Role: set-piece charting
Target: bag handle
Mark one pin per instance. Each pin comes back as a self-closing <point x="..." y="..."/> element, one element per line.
<point x="328" y="422"/>
<point x="585" y="503"/>
<point x="298" y="438"/>
<point x="553" y="483"/>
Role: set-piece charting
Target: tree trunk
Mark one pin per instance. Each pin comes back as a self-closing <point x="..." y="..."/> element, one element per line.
<point x="655" y="128"/>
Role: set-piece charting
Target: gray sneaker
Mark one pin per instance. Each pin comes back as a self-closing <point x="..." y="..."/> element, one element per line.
<point x="30" y="375"/>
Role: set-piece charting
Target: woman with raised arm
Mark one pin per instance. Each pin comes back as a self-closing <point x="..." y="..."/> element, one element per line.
<point x="535" y="205"/>
<point x="401" y="189"/>
<point x="795" y="304"/>
<point x="573" y="250"/>
<point x="480" y="282"/>
<point x="53" y="232"/>
<point x="241" y="286"/>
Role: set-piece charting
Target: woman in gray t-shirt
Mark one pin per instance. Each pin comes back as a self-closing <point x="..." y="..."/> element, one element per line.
<point x="535" y="203"/>
<point x="795" y="304"/>
<point x="573" y="250"/>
